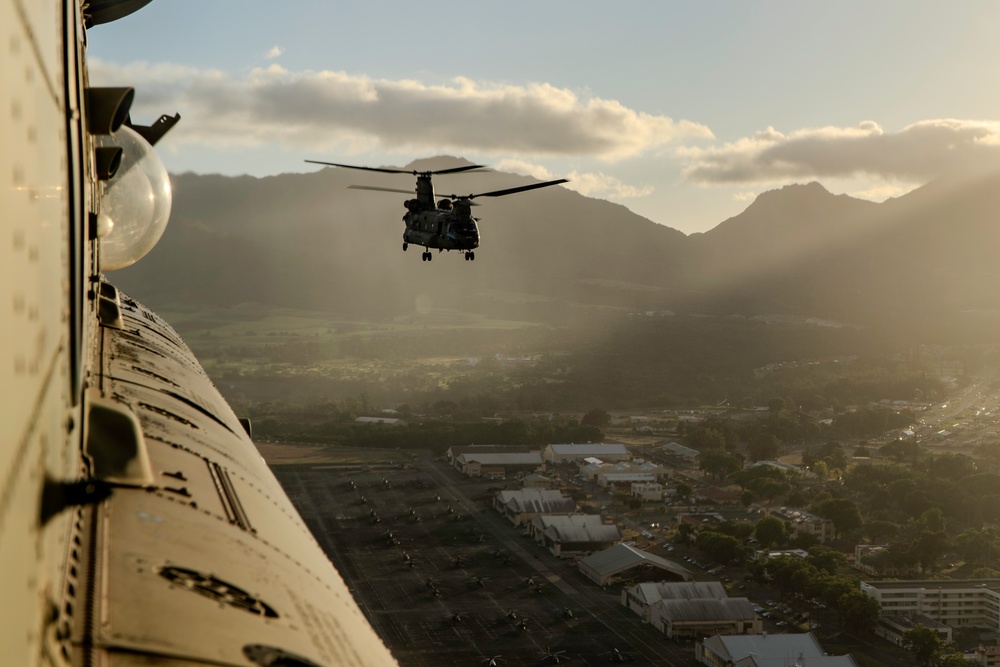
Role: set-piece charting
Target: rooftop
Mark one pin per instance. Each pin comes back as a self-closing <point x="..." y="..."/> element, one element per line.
<point x="621" y="557"/>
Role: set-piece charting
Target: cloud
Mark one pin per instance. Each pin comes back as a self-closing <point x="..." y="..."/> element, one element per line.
<point x="587" y="184"/>
<point x="328" y="111"/>
<point x="917" y="153"/>
<point x="881" y="192"/>
<point x="605" y="186"/>
<point x="274" y="52"/>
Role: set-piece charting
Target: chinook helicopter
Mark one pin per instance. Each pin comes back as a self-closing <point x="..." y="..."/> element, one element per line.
<point x="447" y="224"/>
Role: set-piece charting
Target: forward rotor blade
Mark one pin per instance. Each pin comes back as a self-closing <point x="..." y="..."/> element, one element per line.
<point x="415" y="172"/>
<point x="455" y="170"/>
<point x="510" y="191"/>
<point x="351" y="166"/>
<point x="373" y="187"/>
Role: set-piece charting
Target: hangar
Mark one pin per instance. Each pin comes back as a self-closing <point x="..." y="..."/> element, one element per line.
<point x="622" y="561"/>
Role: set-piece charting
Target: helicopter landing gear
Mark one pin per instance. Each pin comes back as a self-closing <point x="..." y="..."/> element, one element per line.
<point x="405" y="246"/>
<point x="470" y="256"/>
<point x="427" y="257"/>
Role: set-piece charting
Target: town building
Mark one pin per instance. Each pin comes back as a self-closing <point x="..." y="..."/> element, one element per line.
<point x="385" y="421"/>
<point x="892" y="627"/>
<point x="691" y="619"/>
<point x="623" y="561"/>
<point x="641" y="597"/>
<point x="522" y="505"/>
<point x="626" y="472"/>
<point x="574" y="535"/>
<point x="497" y="466"/>
<point x="677" y="451"/>
<point x="873" y="559"/>
<point x="602" y="451"/>
<point x="767" y="650"/>
<point x="537" y="480"/>
<point x="689" y="609"/>
<point x="647" y="491"/>
<point x="454" y="452"/>
<point x="987" y="656"/>
<point x="801" y="522"/>
<point x="954" y="602"/>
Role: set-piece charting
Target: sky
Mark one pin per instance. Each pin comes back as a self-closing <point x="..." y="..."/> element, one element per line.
<point x="681" y="111"/>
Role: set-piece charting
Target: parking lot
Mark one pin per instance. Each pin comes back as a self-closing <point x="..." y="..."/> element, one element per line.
<point x="445" y="580"/>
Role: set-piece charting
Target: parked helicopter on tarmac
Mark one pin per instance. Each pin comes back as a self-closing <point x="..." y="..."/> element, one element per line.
<point x="446" y="224"/>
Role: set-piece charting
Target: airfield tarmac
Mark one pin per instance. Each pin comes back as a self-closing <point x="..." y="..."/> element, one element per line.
<point x="445" y="580"/>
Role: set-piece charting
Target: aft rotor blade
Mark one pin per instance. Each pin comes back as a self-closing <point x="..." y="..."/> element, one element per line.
<point x="373" y="187"/>
<point x="510" y="191"/>
<point x="351" y="166"/>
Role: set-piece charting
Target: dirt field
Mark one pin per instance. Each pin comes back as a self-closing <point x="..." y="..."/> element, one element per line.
<point x="445" y="580"/>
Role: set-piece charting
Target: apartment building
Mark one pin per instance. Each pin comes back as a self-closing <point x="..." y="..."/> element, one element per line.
<point x="957" y="603"/>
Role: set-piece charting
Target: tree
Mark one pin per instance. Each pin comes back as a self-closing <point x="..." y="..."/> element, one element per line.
<point x="859" y="611"/>
<point x="704" y="439"/>
<point x="596" y="417"/>
<point x="739" y="529"/>
<point x="722" y="548"/>
<point x="976" y="546"/>
<point x="776" y="404"/>
<point x="930" y="546"/>
<point x="955" y="660"/>
<point x="826" y="559"/>
<point x="718" y="463"/>
<point x="769" y="488"/>
<point x="881" y="531"/>
<point x="923" y="642"/>
<point x="842" y="512"/>
<point x="951" y="466"/>
<point x="763" y="447"/>
<point x="770" y="531"/>
<point x="933" y="520"/>
<point x="683" y="490"/>
<point x="988" y="454"/>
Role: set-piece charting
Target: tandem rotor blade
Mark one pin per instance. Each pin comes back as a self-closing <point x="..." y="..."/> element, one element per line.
<point x="510" y="191"/>
<point x="374" y="187"/>
<point x="351" y="166"/>
<point x="455" y="170"/>
<point x="415" y="172"/>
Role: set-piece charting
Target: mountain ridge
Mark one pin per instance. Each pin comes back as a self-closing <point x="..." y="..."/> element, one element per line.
<point x="308" y="241"/>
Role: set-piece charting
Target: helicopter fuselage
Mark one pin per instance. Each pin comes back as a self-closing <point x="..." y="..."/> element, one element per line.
<point x="447" y="224"/>
<point x="444" y="230"/>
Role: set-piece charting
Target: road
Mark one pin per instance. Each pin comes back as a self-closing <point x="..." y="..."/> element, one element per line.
<point x="584" y="596"/>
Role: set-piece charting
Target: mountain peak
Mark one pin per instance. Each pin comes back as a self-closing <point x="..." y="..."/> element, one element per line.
<point x="796" y="192"/>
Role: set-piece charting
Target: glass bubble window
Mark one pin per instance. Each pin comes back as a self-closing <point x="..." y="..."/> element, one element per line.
<point x="137" y="200"/>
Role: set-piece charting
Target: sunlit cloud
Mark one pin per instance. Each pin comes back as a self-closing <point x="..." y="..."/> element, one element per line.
<point x="915" y="154"/>
<point x="525" y="168"/>
<point x="605" y="187"/>
<point x="328" y="111"/>
<point x="744" y="196"/>
<point x="274" y="52"/>
<point x="881" y="192"/>
<point x="588" y="184"/>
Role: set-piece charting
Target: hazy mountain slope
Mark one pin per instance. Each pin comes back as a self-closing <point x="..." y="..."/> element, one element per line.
<point x="552" y="254"/>
<point x="306" y="239"/>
